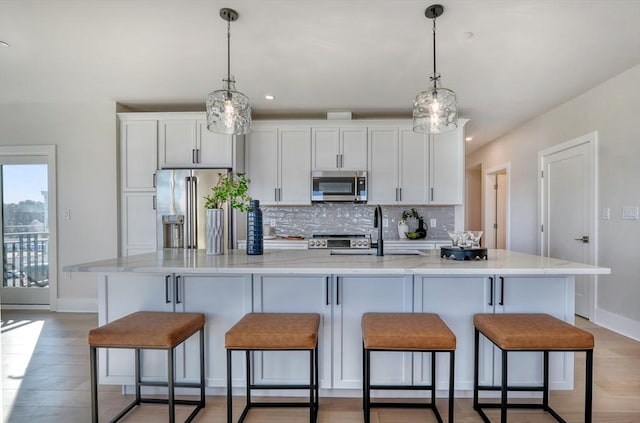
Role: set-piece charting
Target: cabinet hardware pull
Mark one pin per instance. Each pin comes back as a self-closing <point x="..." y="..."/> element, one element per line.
<point x="431" y="194"/>
<point x="399" y="194"/>
<point x="397" y="197"/>
<point x="501" y="291"/>
<point x="338" y="290"/>
<point x="155" y="202"/>
<point x="491" y="291"/>
<point x="178" y="279"/>
<point x="166" y="289"/>
<point x="338" y="161"/>
<point x="193" y="156"/>
<point x="341" y="161"/>
<point x="154" y="180"/>
<point x="326" y="285"/>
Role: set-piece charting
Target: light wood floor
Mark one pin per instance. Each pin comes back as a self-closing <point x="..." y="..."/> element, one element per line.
<point x="45" y="378"/>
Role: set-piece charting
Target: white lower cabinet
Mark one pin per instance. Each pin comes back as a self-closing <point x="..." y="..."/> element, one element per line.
<point x="294" y="294"/>
<point x="224" y="299"/>
<point x="353" y="296"/>
<point x="496" y="294"/>
<point x="341" y="301"/>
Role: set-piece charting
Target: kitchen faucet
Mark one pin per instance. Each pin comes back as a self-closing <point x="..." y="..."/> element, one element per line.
<point x="377" y="223"/>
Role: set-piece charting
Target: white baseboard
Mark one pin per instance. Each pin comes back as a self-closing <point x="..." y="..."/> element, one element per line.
<point x="77" y="305"/>
<point x="620" y="324"/>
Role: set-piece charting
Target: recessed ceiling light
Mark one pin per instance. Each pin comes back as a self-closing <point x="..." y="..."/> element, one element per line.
<point x="4" y="44"/>
<point x="269" y="97"/>
<point x="468" y="139"/>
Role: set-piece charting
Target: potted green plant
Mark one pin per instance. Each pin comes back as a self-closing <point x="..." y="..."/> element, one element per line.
<point x="403" y="227"/>
<point x="232" y="189"/>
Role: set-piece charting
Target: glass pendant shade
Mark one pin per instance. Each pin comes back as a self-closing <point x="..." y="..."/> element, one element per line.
<point x="435" y="110"/>
<point x="228" y="110"/>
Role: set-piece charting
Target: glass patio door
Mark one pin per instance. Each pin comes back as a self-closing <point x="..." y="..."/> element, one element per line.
<point x="24" y="191"/>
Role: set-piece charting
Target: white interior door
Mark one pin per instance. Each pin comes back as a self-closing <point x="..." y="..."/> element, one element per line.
<point x="568" y="198"/>
<point x="501" y="210"/>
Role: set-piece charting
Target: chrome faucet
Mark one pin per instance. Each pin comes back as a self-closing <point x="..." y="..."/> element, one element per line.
<point x="377" y="223"/>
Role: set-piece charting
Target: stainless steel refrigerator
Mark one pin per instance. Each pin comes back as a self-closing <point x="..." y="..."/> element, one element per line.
<point x="180" y="207"/>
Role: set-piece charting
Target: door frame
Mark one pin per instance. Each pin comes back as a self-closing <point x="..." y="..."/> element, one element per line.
<point x="48" y="152"/>
<point x="591" y="141"/>
<point x="489" y="203"/>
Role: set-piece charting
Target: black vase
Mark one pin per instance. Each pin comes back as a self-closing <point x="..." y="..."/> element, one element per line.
<point x="255" y="244"/>
<point x="422" y="230"/>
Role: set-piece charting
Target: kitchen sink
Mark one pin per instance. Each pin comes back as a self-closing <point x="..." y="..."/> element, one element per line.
<point x="372" y="252"/>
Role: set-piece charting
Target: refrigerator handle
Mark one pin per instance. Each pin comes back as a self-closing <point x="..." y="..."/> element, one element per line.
<point x="189" y="211"/>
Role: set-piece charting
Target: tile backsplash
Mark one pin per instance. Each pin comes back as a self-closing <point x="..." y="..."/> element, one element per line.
<point x="349" y="218"/>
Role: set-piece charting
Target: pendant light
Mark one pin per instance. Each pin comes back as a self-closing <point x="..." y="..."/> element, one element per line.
<point x="228" y="110"/>
<point x="435" y="110"/>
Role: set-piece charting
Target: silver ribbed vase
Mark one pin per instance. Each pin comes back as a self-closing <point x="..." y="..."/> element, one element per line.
<point x="215" y="231"/>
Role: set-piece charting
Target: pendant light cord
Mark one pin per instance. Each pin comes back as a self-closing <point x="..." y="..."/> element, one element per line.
<point x="228" y="54"/>
<point x="435" y="75"/>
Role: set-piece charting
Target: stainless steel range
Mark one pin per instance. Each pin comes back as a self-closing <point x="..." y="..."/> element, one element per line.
<point x="340" y="241"/>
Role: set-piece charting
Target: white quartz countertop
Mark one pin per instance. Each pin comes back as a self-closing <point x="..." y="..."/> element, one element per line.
<point x="501" y="262"/>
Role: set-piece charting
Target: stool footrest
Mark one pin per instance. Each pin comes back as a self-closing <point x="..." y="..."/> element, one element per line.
<point x="400" y="404"/>
<point x="512" y="388"/>
<point x="273" y="386"/>
<point x="403" y="387"/>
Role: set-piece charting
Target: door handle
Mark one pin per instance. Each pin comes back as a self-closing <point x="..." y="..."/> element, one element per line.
<point x="584" y="239"/>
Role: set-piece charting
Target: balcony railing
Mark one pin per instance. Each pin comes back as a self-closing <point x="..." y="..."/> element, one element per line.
<point x="26" y="259"/>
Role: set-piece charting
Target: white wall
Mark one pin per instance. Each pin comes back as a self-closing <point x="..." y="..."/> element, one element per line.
<point x="85" y="137"/>
<point x="611" y="109"/>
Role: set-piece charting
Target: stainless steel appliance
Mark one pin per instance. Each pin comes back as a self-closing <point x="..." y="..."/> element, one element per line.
<point x="180" y="207"/>
<point x="338" y="185"/>
<point x="339" y="241"/>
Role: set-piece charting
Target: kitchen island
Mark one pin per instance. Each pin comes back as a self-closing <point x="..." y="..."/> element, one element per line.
<point x="340" y="288"/>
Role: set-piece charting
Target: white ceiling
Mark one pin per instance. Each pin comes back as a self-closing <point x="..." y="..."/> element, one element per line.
<point x="370" y="57"/>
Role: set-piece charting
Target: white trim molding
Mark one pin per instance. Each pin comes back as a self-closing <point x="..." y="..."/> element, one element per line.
<point x="615" y="322"/>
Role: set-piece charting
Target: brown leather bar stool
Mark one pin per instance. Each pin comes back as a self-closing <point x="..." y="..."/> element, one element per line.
<point x="274" y="332"/>
<point x="412" y="332"/>
<point x="529" y="332"/>
<point x="149" y="330"/>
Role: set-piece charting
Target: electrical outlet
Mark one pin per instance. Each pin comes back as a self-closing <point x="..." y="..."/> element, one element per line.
<point x="67" y="214"/>
<point x="385" y="222"/>
<point x="606" y="213"/>
<point x="432" y="223"/>
<point x="630" y="213"/>
<point x="272" y="222"/>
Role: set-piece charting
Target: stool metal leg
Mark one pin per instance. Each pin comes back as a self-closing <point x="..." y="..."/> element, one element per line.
<point x="171" y="393"/>
<point x="312" y="393"/>
<point x="503" y="405"/>
<point x="452" y="375"/>
<point x="367" y="385"/>
<point x="588" y="380"/>
<point x="545" y="380"/>
<point x="94" y="384"/>
<point x="229" y="393"/>
<point x="476" y="366"/>
<point x="433" y="378"/>
<point x="138" y="375"/>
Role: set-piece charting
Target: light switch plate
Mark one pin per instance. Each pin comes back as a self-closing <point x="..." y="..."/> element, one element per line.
<point x="385" y="222"/>
<point x="606" y="213"/>
<point x="630" y="213"/>
<point x="432" y="223"/>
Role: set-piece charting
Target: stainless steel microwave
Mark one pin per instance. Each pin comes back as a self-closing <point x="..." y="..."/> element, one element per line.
<point x="338" y="185"/>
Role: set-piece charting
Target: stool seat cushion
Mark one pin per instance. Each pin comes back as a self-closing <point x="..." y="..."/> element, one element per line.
<point x="406" y="331"/>
<point x="532" y="332"/>
<point x="274" y="331"/>
<point x="147" y="329"/>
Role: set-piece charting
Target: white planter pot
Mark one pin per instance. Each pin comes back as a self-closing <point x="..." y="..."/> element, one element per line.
<point x="403" y="228"/>
<point x="215" y="231"/>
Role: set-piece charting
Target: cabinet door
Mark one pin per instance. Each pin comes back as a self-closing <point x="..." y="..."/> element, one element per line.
<point x="294" y="294"/>
<point x="138" y="230"/>
<point x="224" y="300"/>
<point x="469" y="295"/>
<point x="295" y="166"/>
<point x="414" y="169"/>
<point x="138" y="154"/>
<point x="214" y="150"/>
<point x="262" y="164"/>
<point x="551" y="295"/>
<point x="325" y="147"/>
<point x="353" y="296"/>
<point x="447" y="167"/>
<point x="383" y="166"/>
<point x="121" y="294"/>
<point x="177" y="143"/>
<point x="353" y="152"/>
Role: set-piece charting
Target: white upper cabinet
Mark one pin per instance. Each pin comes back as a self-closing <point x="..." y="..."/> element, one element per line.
<point x="278" y="162"/>
<point x="138" y="154"/>
<point x="410" y="168"/>
<point x="339" y="148"/>
<point x="187" y="143"/>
